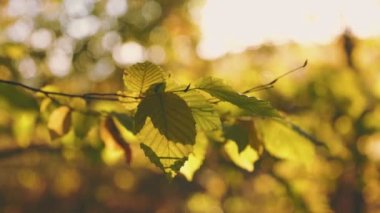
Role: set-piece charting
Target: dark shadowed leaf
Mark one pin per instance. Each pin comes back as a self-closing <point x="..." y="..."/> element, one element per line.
<point x="152" y="156"/>
<point x="170" y="115"/>
<point x="243" y="132"/>
<point x="17" y="97"/>
<point x="218" y="89"/>
<point x="238" y="134"/>
<point x="82" y="123"/>
<point x="125" y="120"/>
<point x="112" y="137"/>
<point x="178" y="164"/>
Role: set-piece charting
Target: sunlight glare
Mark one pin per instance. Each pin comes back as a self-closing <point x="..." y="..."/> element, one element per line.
<point x="232" y="26"/>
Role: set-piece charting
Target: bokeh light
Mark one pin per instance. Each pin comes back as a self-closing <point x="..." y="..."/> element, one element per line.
<point x="232" y="26"/>
<point x="324" y="157"/>
<point x="128" y="53"/>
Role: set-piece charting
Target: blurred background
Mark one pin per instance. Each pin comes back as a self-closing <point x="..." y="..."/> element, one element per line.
<point x="79" y="46"/>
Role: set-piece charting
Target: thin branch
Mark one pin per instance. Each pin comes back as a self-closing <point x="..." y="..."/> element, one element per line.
<point x="7" y="153"/>
<point x="86" y="96"/>
<point x="271" y="83"/>
<point x="300" y="131"/>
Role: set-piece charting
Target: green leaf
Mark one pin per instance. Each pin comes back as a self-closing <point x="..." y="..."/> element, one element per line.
<point x="218" y="89"/>
<point x="167" y="155"/>
<point x="176" y="166"/>
<point x="82" y="123"/>
<point x="196" y="158"/>
<point x="244" y="133"/>
<point x="285" y="143"/>
<point x="244" y="159"/>
<point x="152" y="156"/>
<point x="238" y="134"/>
<point x="18" y="98"/>
<point x="170" y="115"/>
<point x="139" y="77"/>
<point x="204" y="114"/>
<point x="24" y="126"/>
<point x="125" y="120"/>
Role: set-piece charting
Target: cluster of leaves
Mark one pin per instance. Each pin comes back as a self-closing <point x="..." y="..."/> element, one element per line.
<point x="174" y="123"/>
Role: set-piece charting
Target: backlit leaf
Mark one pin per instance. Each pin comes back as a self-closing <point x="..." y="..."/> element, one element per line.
<point x="244" y="159"/>
<point x="204" y="113"/>
<point x="196" y="158"/>
<point x="170" y="115"/>
<point x="168" y="155"/>
<point x="59" y="122"/>
<point x="283" y="142"/>
<point x="218" y="89"/>
<point x="139" y="77"/>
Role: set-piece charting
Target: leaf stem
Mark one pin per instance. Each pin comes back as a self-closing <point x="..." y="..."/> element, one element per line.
<point x="271" y="83"/>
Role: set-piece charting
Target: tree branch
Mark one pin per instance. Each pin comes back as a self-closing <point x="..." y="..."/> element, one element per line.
<point x="86" y="96"/>
<point x="7" y="153"/>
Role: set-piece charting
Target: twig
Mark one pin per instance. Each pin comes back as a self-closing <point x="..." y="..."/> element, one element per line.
<point x="86" y="96"/>
<point x="271" y="84"/>
<point x="301" y="132"/>
<point x="18" y="151"/>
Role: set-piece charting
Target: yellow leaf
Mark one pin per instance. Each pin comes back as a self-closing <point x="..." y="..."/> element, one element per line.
<point x="283" y="142"/>
<point x="59" y="122"/>
<point x="139" y="77"/>
<point x="165" y="154"/>
<point x="245" y="159"/>
<point x="204" y="114"/>
<point x="196" y="158"/>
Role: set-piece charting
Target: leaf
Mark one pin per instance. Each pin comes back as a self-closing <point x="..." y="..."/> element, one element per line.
<point x="139" y="77"/>
<point x="168" y="155"/>
<point x="59" y="122"/>
<point x="18" y="98"/>
<point x="82" y="123"/>
<point x="152" y="156"/>
<point x="113" y="139"/>
<point x="243" y="132"/>
<point x="218" y="89"/>
<point x="283" y="142"/>
<point x="125" y="120"/>
<point x="24" y="127"/>
<point x="196" y="158"/>
<point x="170" y="115"/>
<point x="244" y="159"/>
<point x="176" y="166"/>
<point x="238" y="134"/>
<point x="204" y="114"/>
